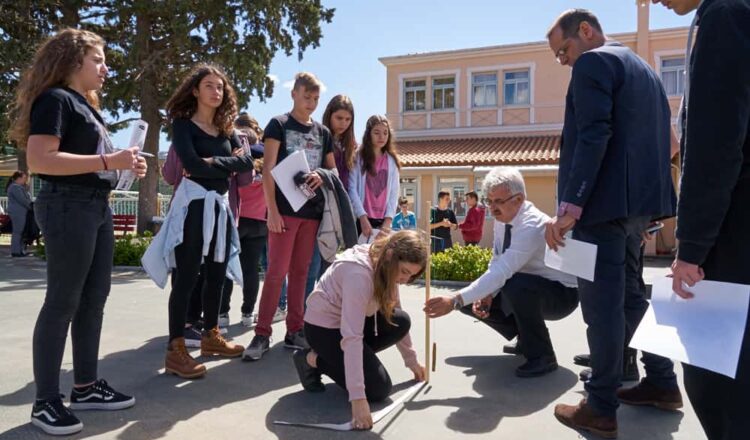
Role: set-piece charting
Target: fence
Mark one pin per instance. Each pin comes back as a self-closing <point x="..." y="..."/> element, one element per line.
<point x="121" y="202"/>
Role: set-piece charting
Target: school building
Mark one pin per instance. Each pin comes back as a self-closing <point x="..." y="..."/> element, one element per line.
<point x="458" y="113"/>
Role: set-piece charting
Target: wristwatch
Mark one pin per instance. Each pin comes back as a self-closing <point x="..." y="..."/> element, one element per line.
<point x="457" y="304"/>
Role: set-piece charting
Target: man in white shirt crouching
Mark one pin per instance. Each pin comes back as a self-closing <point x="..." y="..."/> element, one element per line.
<point x="518" y="292"/>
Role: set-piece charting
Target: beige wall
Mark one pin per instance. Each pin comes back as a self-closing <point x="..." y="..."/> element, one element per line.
<point x="548" y="82"/>
<point x="543" y="115"/>
<point x="540" y="189"/>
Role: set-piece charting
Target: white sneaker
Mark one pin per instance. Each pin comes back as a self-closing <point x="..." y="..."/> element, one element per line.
<point x="249" y="319"/>
<point x="224" y="320"/>
<point x="280" y="315"/>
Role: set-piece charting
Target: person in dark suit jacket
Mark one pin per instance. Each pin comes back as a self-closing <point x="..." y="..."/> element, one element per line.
<point x="713" y="212"/>
<point x="614" y="178"/>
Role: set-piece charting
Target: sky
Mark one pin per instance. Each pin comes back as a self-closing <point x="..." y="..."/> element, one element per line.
<point x="363" y="31"/>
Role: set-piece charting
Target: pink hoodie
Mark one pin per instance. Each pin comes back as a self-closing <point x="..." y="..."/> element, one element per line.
<point x="342" y="299"/>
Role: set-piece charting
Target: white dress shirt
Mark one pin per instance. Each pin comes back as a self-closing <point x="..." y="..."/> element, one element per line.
<point x="525" y="255"/>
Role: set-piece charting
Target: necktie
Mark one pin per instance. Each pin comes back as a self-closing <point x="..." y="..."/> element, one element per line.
<point x="506" y="239"/>
<point x="504" y="303"/>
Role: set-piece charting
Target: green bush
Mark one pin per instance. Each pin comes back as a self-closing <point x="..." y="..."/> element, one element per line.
<point x="460" y="263"/>
<point x="128" y="249"/>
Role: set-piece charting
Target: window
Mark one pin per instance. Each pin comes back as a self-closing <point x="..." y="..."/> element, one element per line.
<point x="443" y="93"/>
<point x="484" y="89"/>
<point x="673" y="76"/>
<point x="516" y="88"/>
<point x="408" y="189"/>
<point x="414" y="95"/>
<point x="457" y="187"/>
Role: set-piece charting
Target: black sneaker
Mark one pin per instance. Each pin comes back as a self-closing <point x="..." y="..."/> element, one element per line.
<point x="296" y="341"/>
<point x="259" y="345"/>
<point x="100" y="396"/>
<point x="54" y="418"/>
<point x="308" y="376"/>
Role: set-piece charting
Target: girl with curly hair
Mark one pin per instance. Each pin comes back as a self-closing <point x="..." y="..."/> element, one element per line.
<point x="202" y="113"/>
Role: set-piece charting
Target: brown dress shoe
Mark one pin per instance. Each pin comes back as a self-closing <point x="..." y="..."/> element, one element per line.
<point x="213" y="344"/>
<point x="582" y="417"/>
<point x="647" y="394"/>
<point x="178" y="361"/>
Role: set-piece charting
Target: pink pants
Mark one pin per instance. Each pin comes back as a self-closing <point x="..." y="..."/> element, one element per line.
<point x="289" y="252"/>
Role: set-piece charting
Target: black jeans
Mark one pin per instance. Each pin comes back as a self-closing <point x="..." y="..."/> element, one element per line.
<point x="531" y="299"/>
<point x="326" y="343"/>
<point x="188" y="257"/>
<point x="195" y="304"/>
<point x="603" y="303"/>
<point x="76" y="224"/>
<point x="253" y="237"/>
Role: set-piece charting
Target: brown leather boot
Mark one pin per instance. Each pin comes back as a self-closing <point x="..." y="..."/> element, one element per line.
<point x="647" y="394"/>
<point x="582" y="417"/>
<point x="178" y="361"/>
<point x="212" y="343"/>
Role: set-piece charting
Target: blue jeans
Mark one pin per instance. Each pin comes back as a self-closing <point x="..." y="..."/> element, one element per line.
<point x="614" y="294"/>
<point x="313" y="274"/>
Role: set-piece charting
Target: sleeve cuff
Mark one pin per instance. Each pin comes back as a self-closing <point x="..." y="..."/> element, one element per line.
<point x="692" y="253"/>
<point x="574" y="211"/>
<point x="357" y="394"/>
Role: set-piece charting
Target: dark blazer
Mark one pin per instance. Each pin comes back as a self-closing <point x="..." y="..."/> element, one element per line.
<point x="714" y="208"/>
<point x="614" y="157"/>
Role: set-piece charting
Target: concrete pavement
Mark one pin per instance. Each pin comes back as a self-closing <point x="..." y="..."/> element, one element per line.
<point x="473" y="393"/>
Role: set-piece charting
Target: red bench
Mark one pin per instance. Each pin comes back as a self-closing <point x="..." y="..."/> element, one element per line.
<point x="4" y="220"/>
<point x="124" y="223"/>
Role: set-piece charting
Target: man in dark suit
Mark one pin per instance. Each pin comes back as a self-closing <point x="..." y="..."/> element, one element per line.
<point x="713" y="213"/>
<point x="614" y="177"/>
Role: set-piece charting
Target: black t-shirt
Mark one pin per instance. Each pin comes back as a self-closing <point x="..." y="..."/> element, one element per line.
<point x="63" y="113"/>
<point x="315" y="140"/>
<point x="437" y="215"/>
<point x="192" y="144"/>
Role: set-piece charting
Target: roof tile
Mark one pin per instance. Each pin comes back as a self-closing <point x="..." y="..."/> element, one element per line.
<point x="518" y="150"/>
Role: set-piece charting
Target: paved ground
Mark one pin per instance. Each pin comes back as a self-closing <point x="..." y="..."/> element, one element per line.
<point x="473" y="393"/>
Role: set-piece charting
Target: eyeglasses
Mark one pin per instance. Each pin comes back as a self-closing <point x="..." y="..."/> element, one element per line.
<point x="562" y="53"/>
<point x="498" y="202"/>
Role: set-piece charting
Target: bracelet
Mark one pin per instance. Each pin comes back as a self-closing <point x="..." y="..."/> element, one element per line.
<point x="104" y="161"/>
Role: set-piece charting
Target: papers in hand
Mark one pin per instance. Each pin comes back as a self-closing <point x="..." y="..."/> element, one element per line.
<point x="137" y="139"/>
<point x="367" y="240"/>
<point x="283" y="174"/>
<point x="576" y="258"/>
<point x="705" y="331"/>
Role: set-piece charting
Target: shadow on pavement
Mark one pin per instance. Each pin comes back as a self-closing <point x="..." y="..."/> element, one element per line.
<point x="332" y="406"/>
<point x="164" y="400"/>
<point x="502" y="394"/>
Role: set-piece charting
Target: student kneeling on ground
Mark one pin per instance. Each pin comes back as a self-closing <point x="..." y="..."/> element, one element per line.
<point x="353" y="313"/>
<point x="518" y="292"/>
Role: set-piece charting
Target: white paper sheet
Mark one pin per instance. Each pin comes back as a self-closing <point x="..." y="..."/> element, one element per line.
<point x="576" y="258"/>
<point x="367" y="240"/>
<point x="376" y="416"/>
<point x="137" y="139"/>
<point x="705" y="331"/>
<point x="283" y="174"/>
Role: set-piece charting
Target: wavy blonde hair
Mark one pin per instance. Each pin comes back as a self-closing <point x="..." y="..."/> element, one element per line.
<point x="54" y="62"/>
<point x="386" y="253"/>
